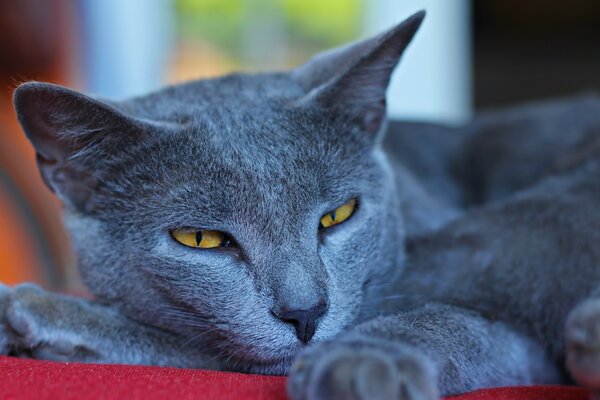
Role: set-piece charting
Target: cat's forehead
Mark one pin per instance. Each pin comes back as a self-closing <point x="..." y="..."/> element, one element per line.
<point x="281" y="165"/>
<point x="241" y="138"/>
<point x="284" y="149"/>
<point x="250" y="119"/>
<point x="202" y="179"/>
<point x="232" y="94"/>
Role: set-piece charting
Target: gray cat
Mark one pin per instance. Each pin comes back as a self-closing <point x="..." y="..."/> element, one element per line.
<point x="254" y="223"/>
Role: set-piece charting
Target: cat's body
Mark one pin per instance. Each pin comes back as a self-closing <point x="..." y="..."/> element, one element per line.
<point x="262" y="158"/>
<point x="527" y="261"/>
<point x="529" y="256"/>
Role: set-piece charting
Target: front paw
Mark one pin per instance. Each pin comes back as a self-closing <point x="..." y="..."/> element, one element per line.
<point x="362" y="368"/>
<point x="39" y="323"/>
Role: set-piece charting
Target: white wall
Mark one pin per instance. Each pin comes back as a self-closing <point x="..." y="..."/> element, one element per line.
<point x="126" y="46"/>
<point x="433" y="81"/>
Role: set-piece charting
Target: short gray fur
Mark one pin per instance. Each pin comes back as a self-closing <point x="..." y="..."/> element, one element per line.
<point x="424" y="298"/>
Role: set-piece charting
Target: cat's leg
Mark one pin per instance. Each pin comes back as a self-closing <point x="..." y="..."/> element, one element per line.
<point x="51" y="326"/>
<point x="419" y="355"/>
<point x="582" y="333"/>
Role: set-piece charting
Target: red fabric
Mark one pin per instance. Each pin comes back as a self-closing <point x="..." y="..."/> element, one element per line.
<point x="22" y="379"/>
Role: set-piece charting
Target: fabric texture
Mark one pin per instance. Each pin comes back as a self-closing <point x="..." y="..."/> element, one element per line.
<point x="22" y="379"/>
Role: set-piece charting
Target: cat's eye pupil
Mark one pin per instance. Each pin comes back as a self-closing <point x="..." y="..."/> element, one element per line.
<point x="198" y="238"/>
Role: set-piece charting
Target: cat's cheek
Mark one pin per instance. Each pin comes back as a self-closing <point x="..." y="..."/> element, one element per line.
<point x="347" y="272"/>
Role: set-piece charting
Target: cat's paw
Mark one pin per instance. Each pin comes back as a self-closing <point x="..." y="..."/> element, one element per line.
<point x="4" y="332"/>
<point x="583" y="343"/>
<point x="40" y="324"/>
<point x="361" y="368"/>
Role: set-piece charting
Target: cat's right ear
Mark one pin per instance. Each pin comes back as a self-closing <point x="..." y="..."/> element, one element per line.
<point x="352" y="80"/>
<point x="62" y="125"/>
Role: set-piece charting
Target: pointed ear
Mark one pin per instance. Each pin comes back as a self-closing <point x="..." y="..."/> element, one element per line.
<point x="354" y="79"/>
<point x="62" y="124"/>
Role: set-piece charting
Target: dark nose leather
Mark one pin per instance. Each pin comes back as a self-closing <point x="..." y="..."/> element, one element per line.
<point x="304" y="320"/>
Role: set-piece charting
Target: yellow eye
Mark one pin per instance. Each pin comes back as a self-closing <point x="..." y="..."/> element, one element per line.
<point x="203" y="239"/>
<point x="338" y="215"/>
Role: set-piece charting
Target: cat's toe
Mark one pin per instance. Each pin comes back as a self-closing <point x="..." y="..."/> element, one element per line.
<point x="353" y="371"/>
<point x="34" y="320"/>
<point x="22" y="315"/>
<point x="583" y="343"/>
<point x="4" y="333"/>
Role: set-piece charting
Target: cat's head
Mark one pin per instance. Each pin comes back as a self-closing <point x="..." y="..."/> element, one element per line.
<point x="250" y="213"/>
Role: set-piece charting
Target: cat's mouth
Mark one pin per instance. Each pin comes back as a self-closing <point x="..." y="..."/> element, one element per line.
<point x="260" y="359"/>
<point x="272" y="357"/>
<point x="272" y="354"/>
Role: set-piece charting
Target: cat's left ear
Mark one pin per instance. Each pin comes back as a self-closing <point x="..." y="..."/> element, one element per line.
<point x="353" y="79"/>
<point x="63" y="125"/>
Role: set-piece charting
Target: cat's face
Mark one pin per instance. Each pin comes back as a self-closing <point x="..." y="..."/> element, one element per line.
<point x="257" y="160"/>
<point x="266" y="180"/>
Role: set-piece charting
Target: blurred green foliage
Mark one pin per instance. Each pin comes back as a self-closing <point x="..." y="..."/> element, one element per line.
<point x="325" y="23"/>
<point x="309" y="24"/>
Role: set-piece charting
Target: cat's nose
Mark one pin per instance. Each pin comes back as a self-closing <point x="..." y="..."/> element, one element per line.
<point x="303" y="319"/>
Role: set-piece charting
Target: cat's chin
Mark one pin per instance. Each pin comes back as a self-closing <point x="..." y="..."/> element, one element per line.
<point x="266" y="357"/>
<point x="263" y="361"/>
<point x="273" y="367"/>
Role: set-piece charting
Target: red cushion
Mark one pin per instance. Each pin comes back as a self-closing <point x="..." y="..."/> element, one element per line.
<point x="22" y="379"/>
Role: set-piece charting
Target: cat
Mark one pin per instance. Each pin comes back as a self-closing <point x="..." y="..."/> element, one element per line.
<point x="255" y="223"/>
<point x="261" y="157"/>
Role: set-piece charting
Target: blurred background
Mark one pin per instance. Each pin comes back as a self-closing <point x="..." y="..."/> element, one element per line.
<point x="468" y="56"/>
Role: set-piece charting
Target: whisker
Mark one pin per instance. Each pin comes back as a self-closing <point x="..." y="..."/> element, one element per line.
<point x="392" y="297"/>
<point x="194" y="339"/>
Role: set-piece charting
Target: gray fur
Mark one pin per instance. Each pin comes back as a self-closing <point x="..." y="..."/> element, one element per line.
<point x="509" y="150"/>
<point x="4" y="335"/>
<point x="480" y="298"/>
<point x="42" y="327"/>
